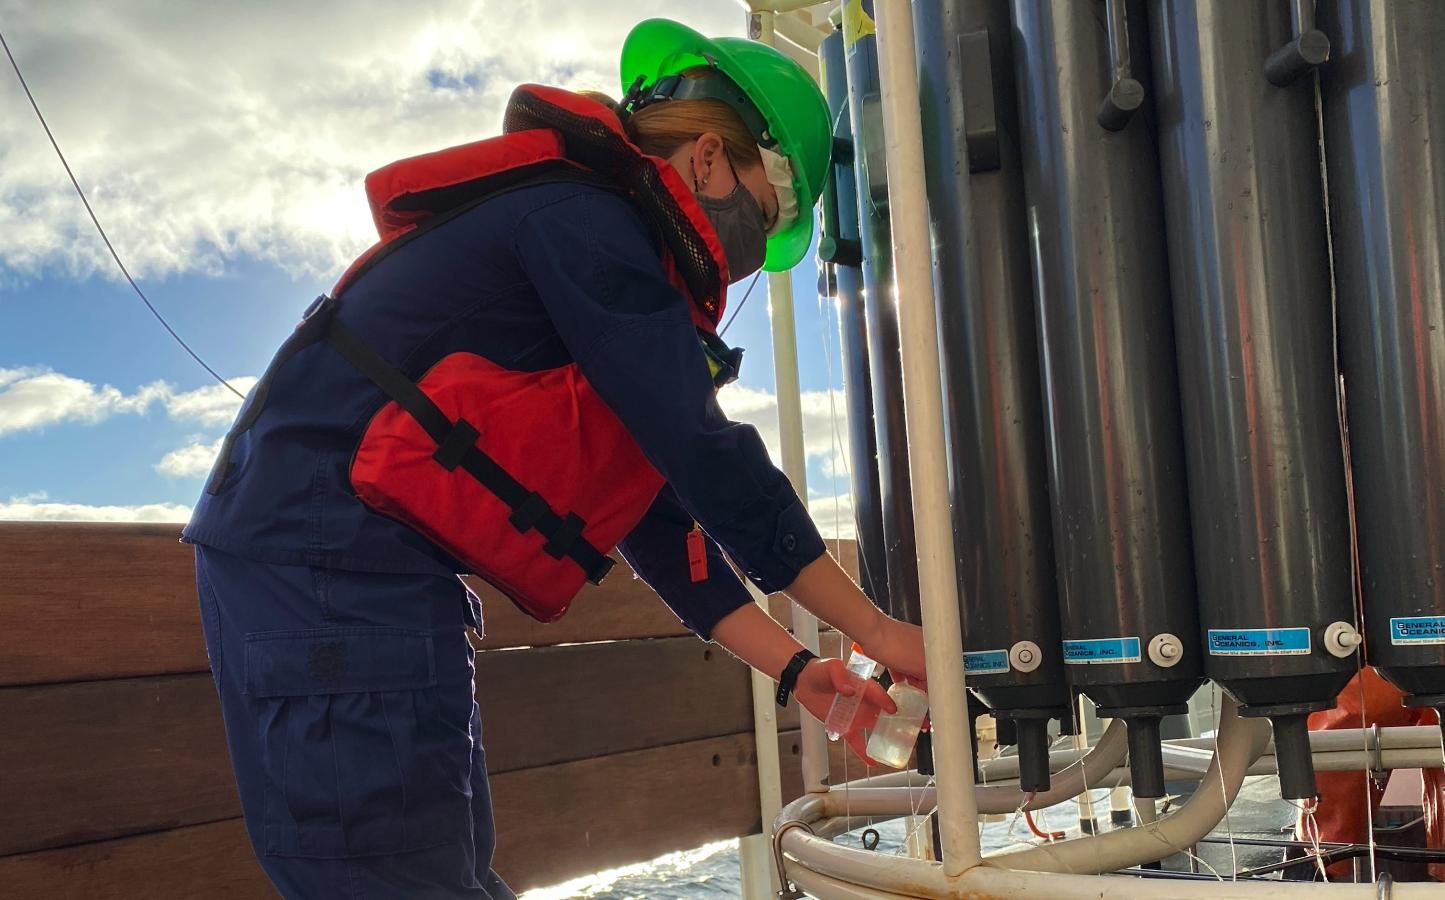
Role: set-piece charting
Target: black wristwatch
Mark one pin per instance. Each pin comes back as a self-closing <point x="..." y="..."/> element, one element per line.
<point x="791" y="671"/>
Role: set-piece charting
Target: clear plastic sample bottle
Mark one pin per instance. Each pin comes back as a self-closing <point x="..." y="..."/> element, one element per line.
<point x="893" y="737"/>
<point x="844" y="709"/>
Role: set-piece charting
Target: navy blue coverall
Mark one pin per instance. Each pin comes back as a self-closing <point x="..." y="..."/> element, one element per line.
<point x="337" y="636"/>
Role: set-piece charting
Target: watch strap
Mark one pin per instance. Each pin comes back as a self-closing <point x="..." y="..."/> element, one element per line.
<point x="789" y="679"/>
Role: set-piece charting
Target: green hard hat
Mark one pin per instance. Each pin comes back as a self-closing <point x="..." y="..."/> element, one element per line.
<point x="791" y="104"/>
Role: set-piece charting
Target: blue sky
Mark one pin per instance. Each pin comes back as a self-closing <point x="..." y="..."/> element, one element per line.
<point x="233" y="190"/>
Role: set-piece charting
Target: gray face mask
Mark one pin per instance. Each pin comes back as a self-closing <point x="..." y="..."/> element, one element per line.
<point x="738" y="221"/>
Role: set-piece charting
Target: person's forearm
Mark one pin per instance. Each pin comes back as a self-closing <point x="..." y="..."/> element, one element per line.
<point x="826" y="591"/>
<point x="753" y="636"/>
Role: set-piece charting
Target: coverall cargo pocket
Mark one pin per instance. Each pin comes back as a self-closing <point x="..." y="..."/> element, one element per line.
<point x="356" y="759"/>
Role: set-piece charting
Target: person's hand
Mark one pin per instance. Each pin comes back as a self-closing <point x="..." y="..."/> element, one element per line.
<point x="899" y="646"/>
<point x="822" y="680"/>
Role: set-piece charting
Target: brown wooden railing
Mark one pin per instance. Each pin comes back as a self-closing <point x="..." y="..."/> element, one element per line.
<point x="631" y="738"/>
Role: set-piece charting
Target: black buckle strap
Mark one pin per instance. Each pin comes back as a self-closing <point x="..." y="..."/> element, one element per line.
<point x="566" y="540"/>
<point x="529" y="512"/>
<point x="453" y="449"/>
<point x="564" y="536"/>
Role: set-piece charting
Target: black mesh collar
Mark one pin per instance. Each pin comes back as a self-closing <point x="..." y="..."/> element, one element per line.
<point x="592" y="142"/>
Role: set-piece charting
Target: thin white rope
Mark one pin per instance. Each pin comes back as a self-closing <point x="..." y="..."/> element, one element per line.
<point x="1223" y="790"/>
<point x="1342" y="418"/>
<point x="1311" y="827"/>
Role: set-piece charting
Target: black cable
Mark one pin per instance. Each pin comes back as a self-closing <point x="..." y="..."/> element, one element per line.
<point x="739" y="308"/>
<point x="103" y="236"/>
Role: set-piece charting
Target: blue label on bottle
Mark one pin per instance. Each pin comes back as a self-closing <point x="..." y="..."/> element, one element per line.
<point x="1259" y="641"/>
<point x="1417" y="630"/>
<point x="985" y="662"/>
<point x="1101" y="650"/>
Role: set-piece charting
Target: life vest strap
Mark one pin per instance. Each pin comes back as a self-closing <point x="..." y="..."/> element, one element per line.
<point x="456" y="444"/>
<point x="453" y="448"/>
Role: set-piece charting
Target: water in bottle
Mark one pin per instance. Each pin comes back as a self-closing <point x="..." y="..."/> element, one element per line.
<point x="893" y="737"/>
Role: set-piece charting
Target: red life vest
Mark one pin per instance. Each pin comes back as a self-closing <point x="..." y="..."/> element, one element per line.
<point x="527" y="478"/>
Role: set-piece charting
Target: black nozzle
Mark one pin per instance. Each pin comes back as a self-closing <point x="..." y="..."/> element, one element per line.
<point x="923" y="750"/>
<point x="840" y="251"/>
<point x="1292" y="757"/>
<point x="1146" y="758"/>
<point x="1033" y="737"/>
<point x="1308" y="50"/>
<point x="1118" y="106"/>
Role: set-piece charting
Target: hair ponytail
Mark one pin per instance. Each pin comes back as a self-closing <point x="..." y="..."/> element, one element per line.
<point x="659" y="129"/>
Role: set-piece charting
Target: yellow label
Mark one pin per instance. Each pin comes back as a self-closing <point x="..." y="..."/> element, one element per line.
<point x="857" y="24"/>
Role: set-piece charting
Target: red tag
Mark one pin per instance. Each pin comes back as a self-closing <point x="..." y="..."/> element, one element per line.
<point x="696" y="555"/>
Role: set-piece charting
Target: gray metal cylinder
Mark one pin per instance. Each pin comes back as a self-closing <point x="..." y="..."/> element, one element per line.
<point x="1384" y="114"/>
<point x="881" y="312"/>
<point x="842" y="278"/>
<point x="1121" y="531"/>
<point x="993" y="410"/>
<point x="1254" y="325"/>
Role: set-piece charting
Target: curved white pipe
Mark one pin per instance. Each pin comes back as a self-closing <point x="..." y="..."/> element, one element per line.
<point x="1090" y="771"/>
<point x="1241" y="741"/>
<point x="823" y="866"/>
<point x="1395" y="737"/>
<point x="904" y="793"/>
<point x="830" y="870"/>
<point x="908" y="795"/>
<point x="1002" y="884"/>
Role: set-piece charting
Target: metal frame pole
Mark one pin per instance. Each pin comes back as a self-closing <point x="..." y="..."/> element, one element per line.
<point x="790" y="431"/>
<point x="927" y="447"/>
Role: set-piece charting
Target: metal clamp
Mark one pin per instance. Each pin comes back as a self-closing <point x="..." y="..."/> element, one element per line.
<point x="1309" y="48"/>
<point x="1125" y="94"/>
<point x="788" y="891"/>
<point x="1375" y="748"/>
<point x="832" y="247"/>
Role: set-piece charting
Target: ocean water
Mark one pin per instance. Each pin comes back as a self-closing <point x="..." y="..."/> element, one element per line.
<point x="712" y="871"/>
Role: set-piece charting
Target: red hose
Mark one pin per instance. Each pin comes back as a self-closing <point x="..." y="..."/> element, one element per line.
<point x="1029" y="818"/>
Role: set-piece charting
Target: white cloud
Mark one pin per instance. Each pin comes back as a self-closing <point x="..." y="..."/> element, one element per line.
<point x="39" y="508"/>
<point x="201" y="134"/>
<point x="825" y="421"/>
<point x="825" y="438"/>
<point x="834" y="516"/>
<point x="32" y="399"/>
<point x="190" y="461"/>
<point x="214" y="405"/>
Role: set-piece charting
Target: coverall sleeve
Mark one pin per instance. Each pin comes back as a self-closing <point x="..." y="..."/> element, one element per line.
<point x="657" y="551"/>
<point x="594" y="266"/>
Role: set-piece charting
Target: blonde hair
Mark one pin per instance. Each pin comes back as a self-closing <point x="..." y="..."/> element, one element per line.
<point x="664" y="126"/>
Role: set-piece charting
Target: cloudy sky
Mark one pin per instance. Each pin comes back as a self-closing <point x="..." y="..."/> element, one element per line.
<point x="223" y="147"/>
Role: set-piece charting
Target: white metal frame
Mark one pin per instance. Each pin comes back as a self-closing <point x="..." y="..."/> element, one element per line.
<point x="800" y="40"/>
<point x="802" y="831"/>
